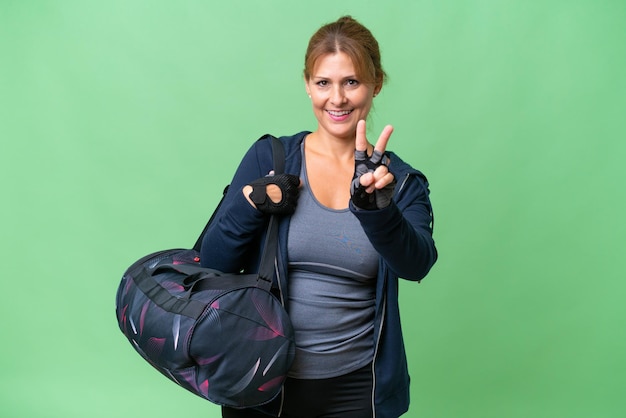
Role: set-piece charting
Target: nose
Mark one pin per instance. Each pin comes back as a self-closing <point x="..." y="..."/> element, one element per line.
<point x="338" y="96"/>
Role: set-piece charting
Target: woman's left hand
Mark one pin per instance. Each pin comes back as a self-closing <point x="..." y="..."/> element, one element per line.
<point x="373" y="185"/>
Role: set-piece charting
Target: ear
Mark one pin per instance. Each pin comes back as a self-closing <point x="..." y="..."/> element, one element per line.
<point x="306" y="87"/>
<point x="378" y="87"/>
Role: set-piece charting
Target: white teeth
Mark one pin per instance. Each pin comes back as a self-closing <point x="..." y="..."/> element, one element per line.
<point x="339" y="113"/>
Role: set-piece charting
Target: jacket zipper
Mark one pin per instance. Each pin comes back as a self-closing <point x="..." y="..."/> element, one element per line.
<point x="406" y="178"/>
<point x="380" y="328"/>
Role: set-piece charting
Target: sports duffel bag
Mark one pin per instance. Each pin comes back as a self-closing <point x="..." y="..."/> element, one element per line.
<point x="224" y="337"/>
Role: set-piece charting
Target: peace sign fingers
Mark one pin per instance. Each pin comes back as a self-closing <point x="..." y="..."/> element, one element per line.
<point x="372" y="185"/>
<point x="361" y="143"/>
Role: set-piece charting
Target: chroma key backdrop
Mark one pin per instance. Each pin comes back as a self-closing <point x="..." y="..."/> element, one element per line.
<point x="122" y="121"/>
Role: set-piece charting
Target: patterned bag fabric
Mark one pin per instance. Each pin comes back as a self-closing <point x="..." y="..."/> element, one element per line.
<point x="224" y="337"/>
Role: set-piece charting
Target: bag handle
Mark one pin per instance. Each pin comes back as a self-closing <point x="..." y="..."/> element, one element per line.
<point x="163" y="298"/>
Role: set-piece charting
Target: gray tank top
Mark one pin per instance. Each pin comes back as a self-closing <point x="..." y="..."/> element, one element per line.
<point x="332" y="276"/>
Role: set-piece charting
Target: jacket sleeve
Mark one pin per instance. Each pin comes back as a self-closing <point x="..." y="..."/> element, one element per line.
<point x="402" y="232"/>
<point x="227" y="241"/>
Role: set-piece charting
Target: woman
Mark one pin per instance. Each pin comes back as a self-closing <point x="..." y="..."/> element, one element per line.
<point x="354" y="219"/>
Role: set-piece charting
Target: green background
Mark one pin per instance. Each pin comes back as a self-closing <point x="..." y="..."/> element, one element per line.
<point x="121" y="121"/>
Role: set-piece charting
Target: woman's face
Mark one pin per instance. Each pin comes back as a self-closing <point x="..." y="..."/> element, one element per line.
<point x="338" y="97"/>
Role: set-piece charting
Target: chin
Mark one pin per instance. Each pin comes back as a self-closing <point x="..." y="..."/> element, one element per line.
<point x="340" y="130"/>
<point x="343" y="133"/>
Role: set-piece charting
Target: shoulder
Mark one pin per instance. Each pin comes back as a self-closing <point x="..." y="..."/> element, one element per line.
<point x="291" y="144"/>
<point x="412" y="184"/>
<point x="401" y="169"/>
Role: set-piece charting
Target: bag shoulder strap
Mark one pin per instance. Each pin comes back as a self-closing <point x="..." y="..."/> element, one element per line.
<point x="268" y="255"/>
<point x="278" y="155"/>
<point x="270" y="248"/>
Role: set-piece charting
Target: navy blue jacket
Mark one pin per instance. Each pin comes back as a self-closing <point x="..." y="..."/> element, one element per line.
<point x="401" y="233"/>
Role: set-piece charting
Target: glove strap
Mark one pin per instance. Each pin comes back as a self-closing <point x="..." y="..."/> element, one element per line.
<point x="258" y="195"/>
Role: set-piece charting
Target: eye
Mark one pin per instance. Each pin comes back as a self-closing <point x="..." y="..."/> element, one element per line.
<point x="352" y="82"/>
<point x="322" y="83"/>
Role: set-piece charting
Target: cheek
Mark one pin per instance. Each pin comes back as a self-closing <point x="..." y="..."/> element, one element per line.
<point x="363" y="97"/>
<point x="317" y="102"/>
<point x="365" y="103"/>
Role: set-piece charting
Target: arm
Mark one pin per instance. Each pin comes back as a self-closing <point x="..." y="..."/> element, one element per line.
<point x="237" y="224"/>
<point x="401" y="233"/>
<point x="399" y="227"/>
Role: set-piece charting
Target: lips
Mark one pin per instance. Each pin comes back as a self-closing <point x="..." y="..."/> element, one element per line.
<point x="339" y="115"/>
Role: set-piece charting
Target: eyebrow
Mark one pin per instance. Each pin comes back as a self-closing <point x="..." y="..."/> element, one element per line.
<point x="349" y="77"/>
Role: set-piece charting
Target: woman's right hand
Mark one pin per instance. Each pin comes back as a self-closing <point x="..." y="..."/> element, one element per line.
<point x="373" y="184"/>
<point x="274" y="194"/>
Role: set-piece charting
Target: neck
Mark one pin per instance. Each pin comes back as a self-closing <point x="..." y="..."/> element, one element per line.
<point x="330" y="146"/>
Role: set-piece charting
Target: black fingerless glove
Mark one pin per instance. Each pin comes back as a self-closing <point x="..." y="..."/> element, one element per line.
<point x="288" y="185"/>
<point x="380" y="198"/>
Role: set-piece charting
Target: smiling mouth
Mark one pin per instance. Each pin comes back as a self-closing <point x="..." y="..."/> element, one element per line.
<point x="339" y="113"/>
